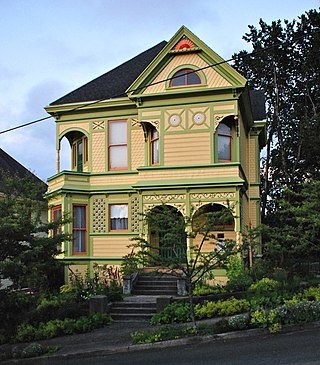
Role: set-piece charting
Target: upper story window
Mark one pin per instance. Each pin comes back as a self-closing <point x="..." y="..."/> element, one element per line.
<point x="185" y="77"/>
<point x="154" y="146"/>
<point x="80" y="153"/>
<point x="224" y="142"/>
<point x="118" y="145"/>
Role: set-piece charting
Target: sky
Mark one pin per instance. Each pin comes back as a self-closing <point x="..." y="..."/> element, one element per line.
<point x="51" y="47"/>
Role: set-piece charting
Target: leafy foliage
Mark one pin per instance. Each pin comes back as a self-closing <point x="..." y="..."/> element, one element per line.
<point x="27" y="332"/>
<point x="227" y="307"/>
<point x="106" y="280"/>
<point x="285" y="64"/>
<point x="27" y="254"/>
<point x="293" y="235"/>
<point x="163" y="334"/>
<point x="173" y="313"/>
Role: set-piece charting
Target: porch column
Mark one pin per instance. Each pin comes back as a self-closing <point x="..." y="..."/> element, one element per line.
<point x="58" y="161"/>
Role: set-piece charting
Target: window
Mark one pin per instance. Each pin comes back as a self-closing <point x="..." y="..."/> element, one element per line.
<point x="118" y="148"/>
<point x="185" y="77"/>
<point x="224" y="142"/>
<point x="79" y="229"/>
<point x="80" y="153"/>
<point x="118" y="217"/>
<point x="55" y="217"/>
<point x="154" y="146"/>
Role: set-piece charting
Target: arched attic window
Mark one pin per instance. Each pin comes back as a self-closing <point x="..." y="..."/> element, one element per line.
<point x="185" y="77"/>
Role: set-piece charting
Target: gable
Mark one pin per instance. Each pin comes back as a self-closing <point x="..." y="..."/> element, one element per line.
<point x="185" y="50"/>
<point x="211" y="78"/>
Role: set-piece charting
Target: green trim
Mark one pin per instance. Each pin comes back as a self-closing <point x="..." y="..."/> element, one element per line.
<point x="224" y="69"/>
<point x="175" y="167"/>
<point x="185" y="183"/>
<point x="89" y="174"/>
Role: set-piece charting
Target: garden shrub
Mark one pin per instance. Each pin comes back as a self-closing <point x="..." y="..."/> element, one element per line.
<point x="238" y="322"/>
<point x="163" y="334"/>
<point x="57" y="307"/>
<point x="204" y="289"/>
<point x="239" y="278"/>
<point x="57" y="327"/>
<point x="266" y="293"/>
<point x="172" y="313"/>
<point x="106" y="280"/>
<point x="290" y="313"/>
<point x="220" y="308"/>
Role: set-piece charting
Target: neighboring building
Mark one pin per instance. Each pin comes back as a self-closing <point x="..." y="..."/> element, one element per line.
<point x="12" y="167"/>
<point x="174" y="125"/>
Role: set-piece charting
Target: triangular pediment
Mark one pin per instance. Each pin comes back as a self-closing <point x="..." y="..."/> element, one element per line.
<point x="185" y="51"/>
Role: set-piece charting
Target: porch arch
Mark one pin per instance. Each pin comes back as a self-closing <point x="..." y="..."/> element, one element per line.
<point x="166" y="231"/>
<point x="78" y="142"/>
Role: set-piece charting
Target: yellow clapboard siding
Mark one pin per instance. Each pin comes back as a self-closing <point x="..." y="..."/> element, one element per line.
<point x="187" y="148"/>
<point x="110" y="246"/>
<point x="213" y="78"/>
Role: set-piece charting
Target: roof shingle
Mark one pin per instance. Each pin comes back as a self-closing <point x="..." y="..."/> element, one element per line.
<point x="115" y="82"/>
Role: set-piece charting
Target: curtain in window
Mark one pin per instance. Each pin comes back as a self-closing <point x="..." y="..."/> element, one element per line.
<point x="119" y="217"/>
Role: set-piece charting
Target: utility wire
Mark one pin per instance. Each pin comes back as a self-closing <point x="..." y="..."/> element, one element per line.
<point x="155" y="83"/>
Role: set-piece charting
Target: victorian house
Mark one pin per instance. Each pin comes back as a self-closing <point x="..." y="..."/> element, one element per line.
<point x="175" y="125"/>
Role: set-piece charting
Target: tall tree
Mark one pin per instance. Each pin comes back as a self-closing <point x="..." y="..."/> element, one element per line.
<point x="285" y="63"/>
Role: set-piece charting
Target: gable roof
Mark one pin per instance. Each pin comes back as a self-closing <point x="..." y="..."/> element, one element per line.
<point x="211" y="59"/>
<point x="129" y="75"/>
<point x="11" y="166"/>
<point x="115" y="82"/>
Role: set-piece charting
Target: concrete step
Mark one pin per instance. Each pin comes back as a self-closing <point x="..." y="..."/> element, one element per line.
<point x="133" y="310"/>
<point x="154" y="292"/>
<point x="127" y="304"/>
<point x="151" y="286"/>
<point x="131" y="317"/>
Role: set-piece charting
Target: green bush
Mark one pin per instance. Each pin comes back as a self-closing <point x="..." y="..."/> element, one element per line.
<point x="239" y="278"/>
<point x="163" y="334"/>
<point x="172" y="313"/>
<point x="57" y="327"/>
<point x="267" y="293"/>
<point x="59" y="306"/>
<point x="220" y="308"/>
<point x="13" y="309"/>
<point x="293" y="313"/>
<point x="239" y="322"/>
<point x="204" y="289"/>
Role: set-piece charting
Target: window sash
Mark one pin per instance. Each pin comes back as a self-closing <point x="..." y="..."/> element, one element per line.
<point x="118" y="146"/>
<point x="118" y="217"/>
<point x="154" y="141"/>
<point x="56" y="215"/>
<point x="79" y="229"/>
<point x="185" y="77"/>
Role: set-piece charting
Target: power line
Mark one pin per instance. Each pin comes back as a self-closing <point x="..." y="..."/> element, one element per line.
<point x="155" y="83"/>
